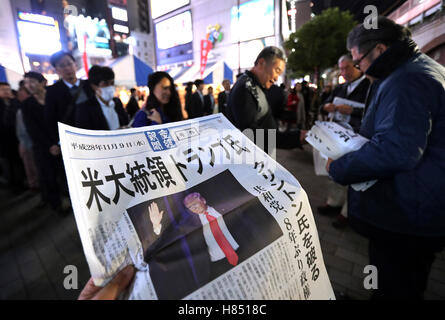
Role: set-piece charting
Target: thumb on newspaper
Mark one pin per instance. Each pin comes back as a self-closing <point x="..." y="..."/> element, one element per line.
<point x="112" y="290"/>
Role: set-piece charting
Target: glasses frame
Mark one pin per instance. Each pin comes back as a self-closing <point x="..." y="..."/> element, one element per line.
<point x="357" y="62"/>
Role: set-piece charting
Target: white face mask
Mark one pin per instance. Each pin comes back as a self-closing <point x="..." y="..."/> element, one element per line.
<point x="107" y="93"/>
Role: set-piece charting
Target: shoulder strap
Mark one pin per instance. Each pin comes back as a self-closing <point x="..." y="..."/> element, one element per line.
<point x="254" y="91"/>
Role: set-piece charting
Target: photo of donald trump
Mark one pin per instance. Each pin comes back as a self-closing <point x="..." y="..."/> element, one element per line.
<point x="192" y="237"/>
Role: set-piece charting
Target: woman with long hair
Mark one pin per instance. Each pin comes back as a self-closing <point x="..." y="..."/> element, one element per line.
<point x="163" y="105"/>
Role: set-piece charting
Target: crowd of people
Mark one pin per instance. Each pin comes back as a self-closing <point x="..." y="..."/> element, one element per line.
<point x="403" y="97"/>
<point x="30" y="149"/>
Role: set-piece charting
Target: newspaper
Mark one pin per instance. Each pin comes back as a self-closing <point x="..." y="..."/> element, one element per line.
<point x="339" y="117"/>
<point x="197" y="208"/>
<point x="320" y="161"/>
<point x="332" y="140"/>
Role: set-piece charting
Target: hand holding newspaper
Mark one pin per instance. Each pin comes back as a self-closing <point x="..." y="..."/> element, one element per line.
<point x="333" y="141"/>
<point x="338" y="116"/>
<point x="197" y="208"/>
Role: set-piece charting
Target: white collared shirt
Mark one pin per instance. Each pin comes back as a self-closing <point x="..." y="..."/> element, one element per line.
<point x="215" y="251"/>
<point x="69" y="85"/>
<point x="354" y="84"/>
<point x="82" y="97"/>
<point x="110" y="114"/>
<point x="201" y="96"/>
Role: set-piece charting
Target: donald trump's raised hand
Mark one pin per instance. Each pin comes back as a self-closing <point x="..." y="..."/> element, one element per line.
<point x="155" y="217"/>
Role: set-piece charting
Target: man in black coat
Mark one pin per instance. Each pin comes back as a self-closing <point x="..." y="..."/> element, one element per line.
<point x="9" y="144"/>
<point x="103" y="111"/>
<point x="197" y="101"/>
<point x="209" y="101"/>
<point x="63" y="97"/>
<point x="248" y="107"/>
<point x="51" y="174"/>
<point x="223" y="97"/>
<point x="188" y="96"/>
<point x="132" y="106"/>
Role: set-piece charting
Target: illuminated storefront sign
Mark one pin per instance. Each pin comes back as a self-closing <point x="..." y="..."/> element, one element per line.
<point x="96" y="31"/>
<point x="161" y="7"/>
<point x="38" y="35"/>
<point x="254" y="19"/>
<point x="119" y="14"/>
<point x="174" y="39"/>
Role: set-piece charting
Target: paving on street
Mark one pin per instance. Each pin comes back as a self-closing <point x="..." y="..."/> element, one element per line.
<point x="36" y="245"/>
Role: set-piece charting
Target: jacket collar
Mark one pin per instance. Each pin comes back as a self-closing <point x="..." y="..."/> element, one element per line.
<point x="254" y="78"/>
<point x="396" y="55"/>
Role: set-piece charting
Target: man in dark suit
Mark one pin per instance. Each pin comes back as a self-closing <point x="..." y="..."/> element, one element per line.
<point x="63" y="97"/>
<point x="103" y="111"/>
<point x="356" y="89"/>
<point x="9" y="143"/>
<point x="209" y="101"/>
<point x="49" y="167"/>
<point x="197" y="101"/>
<point x="132" y="105"/>
<point x="223" y="97"/>
<point x="188" y="96"/>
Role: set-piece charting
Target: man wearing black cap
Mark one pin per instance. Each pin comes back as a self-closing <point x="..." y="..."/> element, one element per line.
<point x="63" y="97"/>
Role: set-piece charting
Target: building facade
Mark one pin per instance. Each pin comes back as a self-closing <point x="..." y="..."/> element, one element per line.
<point x="237" y="30"/>
<point x="426" y="19"/>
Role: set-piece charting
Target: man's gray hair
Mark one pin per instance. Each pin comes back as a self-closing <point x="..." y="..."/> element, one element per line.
<point x="270" y="54"/>
<point x="387" y="33"/>
<point x="345" y="57"/>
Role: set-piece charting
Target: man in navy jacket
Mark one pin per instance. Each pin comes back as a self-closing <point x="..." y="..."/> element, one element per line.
<point x="403" y="214"/>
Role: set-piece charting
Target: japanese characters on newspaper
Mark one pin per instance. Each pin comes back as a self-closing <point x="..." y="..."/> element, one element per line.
<point x="339" y="117"/>
<point x="332" y="140"/>
<point x="199" y="209"/>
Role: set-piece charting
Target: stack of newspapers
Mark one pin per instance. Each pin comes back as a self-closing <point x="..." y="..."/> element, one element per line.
<point x="333" y="140"/>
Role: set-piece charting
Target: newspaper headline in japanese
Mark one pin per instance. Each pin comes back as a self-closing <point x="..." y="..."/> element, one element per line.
<point x="197" y="208"/>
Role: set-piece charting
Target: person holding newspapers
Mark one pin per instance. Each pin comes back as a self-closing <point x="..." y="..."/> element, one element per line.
<point x="402" y="214"/>
<point x="344" y="105"/>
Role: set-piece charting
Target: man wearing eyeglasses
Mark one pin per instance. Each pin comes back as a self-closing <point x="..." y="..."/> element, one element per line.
<point x="63" y="96"/>
<point x="403" y="214"/>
